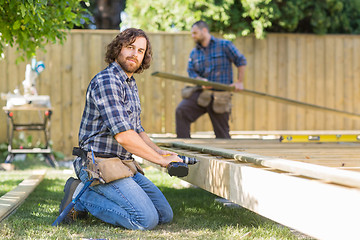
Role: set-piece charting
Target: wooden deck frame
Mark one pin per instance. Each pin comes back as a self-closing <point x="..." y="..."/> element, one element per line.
<point x="311" y="206"/>
<point x="324" y="173"/>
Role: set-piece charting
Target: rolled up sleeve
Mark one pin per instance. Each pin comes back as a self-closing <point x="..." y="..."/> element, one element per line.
<point x="234" y="54"/>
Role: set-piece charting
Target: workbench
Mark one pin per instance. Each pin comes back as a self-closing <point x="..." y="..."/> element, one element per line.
<point x="43" y="125"/>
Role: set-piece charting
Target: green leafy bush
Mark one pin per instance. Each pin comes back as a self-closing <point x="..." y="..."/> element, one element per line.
<point x="243" y="17"/>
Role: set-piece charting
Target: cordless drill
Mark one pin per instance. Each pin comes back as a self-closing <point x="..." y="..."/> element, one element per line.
<point x="181" y="169"/>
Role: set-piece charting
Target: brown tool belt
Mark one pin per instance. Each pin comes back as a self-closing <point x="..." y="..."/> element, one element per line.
<point x="222" y="99"/>
<point x="107" y="167"/>
<point x="187" y="91"/>
<point x="221" y="103"/>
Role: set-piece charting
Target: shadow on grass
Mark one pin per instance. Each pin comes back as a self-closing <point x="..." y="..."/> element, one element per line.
<point x="193" y="208"/>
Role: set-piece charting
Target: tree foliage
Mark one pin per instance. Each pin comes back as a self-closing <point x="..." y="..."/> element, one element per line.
<point x="31" y="24"/>
<point x="242" y="17"/>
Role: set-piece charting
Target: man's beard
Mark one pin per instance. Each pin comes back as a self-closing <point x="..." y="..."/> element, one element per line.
<point x="199" y="40"/>
<point x="126" y="66"/>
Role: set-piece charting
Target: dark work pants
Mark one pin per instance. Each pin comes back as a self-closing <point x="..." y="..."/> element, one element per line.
<point x="188" y="111"/>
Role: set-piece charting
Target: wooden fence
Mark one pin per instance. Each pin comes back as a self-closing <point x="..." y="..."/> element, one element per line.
<point x="321" y="70"/>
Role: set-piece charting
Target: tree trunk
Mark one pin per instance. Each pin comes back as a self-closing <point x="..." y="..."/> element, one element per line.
<point x="107" y="13"/>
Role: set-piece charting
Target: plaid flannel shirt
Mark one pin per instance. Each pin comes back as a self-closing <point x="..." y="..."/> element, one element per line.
<point x="215" y="61"/>
<point x="112" y="106"/>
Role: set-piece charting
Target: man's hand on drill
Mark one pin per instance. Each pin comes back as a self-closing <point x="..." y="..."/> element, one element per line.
<point x="165" y="152"/>
<point x="169" y="157"/>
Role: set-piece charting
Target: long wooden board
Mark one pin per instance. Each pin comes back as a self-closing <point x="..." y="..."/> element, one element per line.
<point x="257" y="94"/>
<point x="13" y="199"/>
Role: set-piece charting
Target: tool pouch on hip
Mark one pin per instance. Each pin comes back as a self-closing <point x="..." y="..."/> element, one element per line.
<point x="204" y="98"/>
<point x="222" y="102"/>
<point x="187" y="91"/>
<point x="111" y="169"/>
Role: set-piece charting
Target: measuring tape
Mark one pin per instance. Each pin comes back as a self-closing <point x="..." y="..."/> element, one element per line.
<point x="320" y="138"/>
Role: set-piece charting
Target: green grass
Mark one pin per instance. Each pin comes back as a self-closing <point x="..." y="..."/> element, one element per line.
<point x="196" y="213"/>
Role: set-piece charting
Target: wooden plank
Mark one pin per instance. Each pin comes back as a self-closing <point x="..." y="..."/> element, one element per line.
<point x="85" y="69"/>
<point x="319" y="81"/>
<point x="348" y="79"/>
<point x="330" y="63"/>
<point x="339" y="83"/>
<point x="291" y="79"/>
<point x="56" y="100"/>
<point x="260" y="84"/>
<point x="301" y="81"/>
<point x="154" y="101"/>
<point x="272" y="59"/>
<point x="96" y="56"/>
<point x="169" y="61"/>
<point x="66" y="96"/>
<point x="249" y="83"/>
<point x="13" y="199"/>
<point x="310" y="80"/>
<point x="356" y="80"/>
<point x="282" y="82"/>
<point x="77" y="98"/>
<point x="254" y="94"/>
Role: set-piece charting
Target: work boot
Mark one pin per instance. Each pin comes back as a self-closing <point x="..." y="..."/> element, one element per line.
<point x="69" y="189"/>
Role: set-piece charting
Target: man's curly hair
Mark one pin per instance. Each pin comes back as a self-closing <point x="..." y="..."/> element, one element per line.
<point x="125" y="38"/>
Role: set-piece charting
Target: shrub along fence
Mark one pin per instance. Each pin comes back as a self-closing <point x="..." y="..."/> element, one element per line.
<point x="321" y="70"/>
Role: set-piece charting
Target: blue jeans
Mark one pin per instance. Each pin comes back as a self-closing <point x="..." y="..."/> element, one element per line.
<point x="133" y="202"/>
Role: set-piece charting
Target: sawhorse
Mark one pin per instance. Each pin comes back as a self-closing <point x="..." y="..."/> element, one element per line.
<point x="41" y="126"/>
